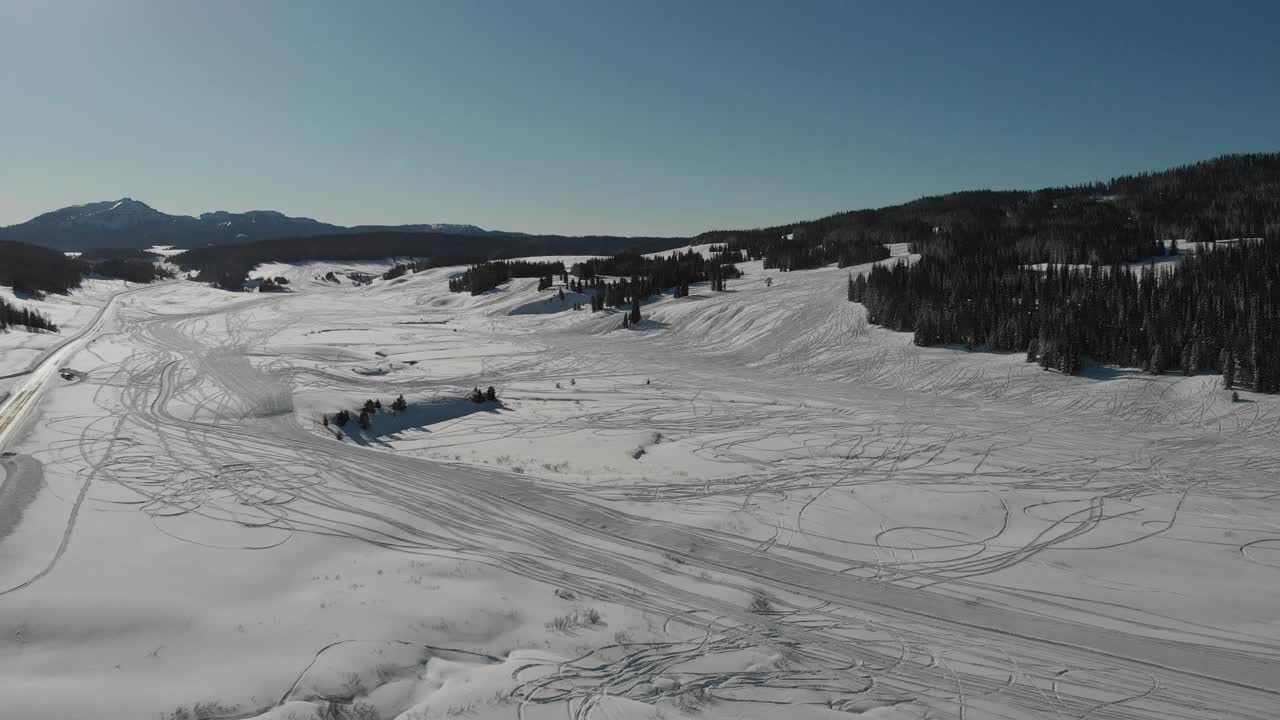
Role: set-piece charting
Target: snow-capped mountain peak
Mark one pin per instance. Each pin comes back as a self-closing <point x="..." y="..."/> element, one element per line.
<point x="114" y="214"/>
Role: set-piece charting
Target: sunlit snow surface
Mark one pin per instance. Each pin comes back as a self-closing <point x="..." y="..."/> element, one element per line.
<point x="751" y="505"/>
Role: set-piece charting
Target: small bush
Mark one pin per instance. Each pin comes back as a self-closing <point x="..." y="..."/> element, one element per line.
<point x="563" y="623"/>
<point x="589" y="617"/>
<point x="692" y="702"/>
<point x="760" y="603"/>
<point x="211" y="710"/>
<point x="354" y="711"/>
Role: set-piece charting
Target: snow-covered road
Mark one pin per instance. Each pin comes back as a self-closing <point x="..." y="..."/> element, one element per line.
<point x="770" y="501"/>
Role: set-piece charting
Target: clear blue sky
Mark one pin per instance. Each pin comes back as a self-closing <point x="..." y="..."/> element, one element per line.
<point x="612" y="117"/>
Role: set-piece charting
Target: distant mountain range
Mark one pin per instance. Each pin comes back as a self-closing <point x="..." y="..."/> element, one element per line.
<point x="129" y="223"/>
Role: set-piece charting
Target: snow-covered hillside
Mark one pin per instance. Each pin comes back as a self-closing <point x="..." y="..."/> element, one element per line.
<point x="19" y="348"/>
<point x="752" y="504"/>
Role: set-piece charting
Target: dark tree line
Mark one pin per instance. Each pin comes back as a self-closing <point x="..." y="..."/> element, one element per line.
<point x="12" y="316"/>
<point x="1217" y="310"/>
<point x="1228" y="197"/>
<point x="274" y="285"/>
<point x="628" y="278"/>
<point x="228" y="266"/>
<point x="617" y="281"/>
<point x="404" y="268"/>
<point x="32" y="270"/>
<point x="137" y="266"/>
<point x="972" y="284"/>
<point x="806" y="248"/>
<point x="678" y="269"/>
<point x="486" y="276"/>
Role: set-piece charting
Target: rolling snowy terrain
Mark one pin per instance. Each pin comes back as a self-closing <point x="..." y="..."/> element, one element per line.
<point x="751" y="505"/>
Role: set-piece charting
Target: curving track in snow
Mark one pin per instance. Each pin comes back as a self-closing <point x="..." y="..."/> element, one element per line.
<point x="197" y="420"/>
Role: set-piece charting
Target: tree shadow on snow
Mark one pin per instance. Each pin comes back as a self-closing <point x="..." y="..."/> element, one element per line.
<point x="387" y="424"/>
<point x="644" y="325"/>
<point x="1108" y="372"/>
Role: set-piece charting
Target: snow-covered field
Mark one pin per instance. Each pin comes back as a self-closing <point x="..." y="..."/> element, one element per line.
<point x="20" y="350"/>
<point x="752" y="505"/>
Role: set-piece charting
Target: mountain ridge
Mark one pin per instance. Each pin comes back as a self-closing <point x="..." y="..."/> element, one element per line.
<point x="130" y="223"/>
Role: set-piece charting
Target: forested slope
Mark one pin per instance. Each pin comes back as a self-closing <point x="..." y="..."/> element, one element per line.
<point x="1043" y="272"/>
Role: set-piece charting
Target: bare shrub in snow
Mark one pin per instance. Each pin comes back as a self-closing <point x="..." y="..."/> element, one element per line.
<point x="692" y="701"/>
<point x="563" y="623"/>
<point x="354" y="711"/>
<point x="588" y="617"/>
<point x="211" y="710"/>
<point x="760" y="603"/>
<point x="386" y="672"/>
<point x="353" y="685"/>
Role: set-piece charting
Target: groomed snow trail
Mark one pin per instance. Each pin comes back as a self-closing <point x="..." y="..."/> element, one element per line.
<point x="929" y="533"/>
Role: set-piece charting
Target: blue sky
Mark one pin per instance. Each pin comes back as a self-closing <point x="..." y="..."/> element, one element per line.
<point x="611" y="117"/>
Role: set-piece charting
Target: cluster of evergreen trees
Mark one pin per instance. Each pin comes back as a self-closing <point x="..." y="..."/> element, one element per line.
<point x="1217" y="310"/>
<point x="489" y="275"/>
<point x="638" y="278"/>
<point x="12" y="316"/>
<point x="365" y="418"/>
<point x="404" y="268"/>
<point x="32" y="270"/>
<point x="274" y="285"/>
<point x="137" y="266"/>
<point x="652" y="275"/>
<point x="973" y="284"/>
<point x="805" y="248"/>
<point x="139" y="270"/>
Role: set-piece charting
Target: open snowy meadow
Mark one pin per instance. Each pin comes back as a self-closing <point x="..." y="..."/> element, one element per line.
<point x="753" y="504"/>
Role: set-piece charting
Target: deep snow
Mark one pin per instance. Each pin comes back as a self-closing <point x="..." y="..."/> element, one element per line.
<point x="752" y="498"/>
